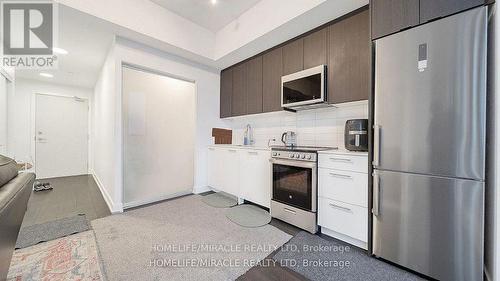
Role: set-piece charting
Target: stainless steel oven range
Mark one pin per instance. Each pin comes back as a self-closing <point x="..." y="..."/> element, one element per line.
<point x="295" y="185"/>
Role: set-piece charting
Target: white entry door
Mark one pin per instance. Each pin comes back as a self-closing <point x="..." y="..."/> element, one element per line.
<point x="61" y="136"/>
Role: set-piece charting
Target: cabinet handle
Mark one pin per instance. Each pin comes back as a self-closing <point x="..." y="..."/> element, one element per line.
<point x="290" y="211"/>
<point x="340" y="176"/>
<point x="231" y="150"/>
<point x="253" y="152"/>
<point x="210" y="148"/>
<point x="376" y="195"/>
<point x="376" y="145"/>
<point x="340" y="159"/>
<point x="340" y="207"/>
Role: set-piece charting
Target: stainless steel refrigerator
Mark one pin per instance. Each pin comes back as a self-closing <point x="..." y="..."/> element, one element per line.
<point x="429" y="147"/>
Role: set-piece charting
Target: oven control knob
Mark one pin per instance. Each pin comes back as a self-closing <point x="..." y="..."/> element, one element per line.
<point x="308" y="157"/>
<point x="303" y="156"/>
<point x="275" y="154"/>
<point x="291" y="155"/>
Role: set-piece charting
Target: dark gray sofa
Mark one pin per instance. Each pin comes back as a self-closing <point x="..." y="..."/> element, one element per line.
<point x="15" y="190"/>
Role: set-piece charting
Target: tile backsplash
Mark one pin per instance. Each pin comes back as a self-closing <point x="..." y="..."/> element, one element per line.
<point x="316" y="127"/>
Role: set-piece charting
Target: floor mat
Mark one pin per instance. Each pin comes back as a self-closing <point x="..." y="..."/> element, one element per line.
<point x="182" y="239"/>
<point x="248" y="215"/>
<point x="69" y="258"/>
<point x="220" y="200"/>
<point x="32" y="235"/>
<point x="320" y="259"/>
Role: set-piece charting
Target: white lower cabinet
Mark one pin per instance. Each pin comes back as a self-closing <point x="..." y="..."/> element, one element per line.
<point x="343" y="196"/>
<point x="244" y="173"/>
<point x="346" y="219"/>
<point x="255" y="177"/>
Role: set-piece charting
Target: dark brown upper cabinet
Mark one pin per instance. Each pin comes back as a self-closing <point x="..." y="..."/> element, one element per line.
<point x="432" y="9"/>
<point x="293" y="56"/>
<point x="272" y="71"/>
<point x="390" y="16"/>
<point x="254" y="85"/>
<point x="315" y="48"/>
<point x="226" y="92"/>
<point x="349" y="59"/>
<point x="239" y="98"/>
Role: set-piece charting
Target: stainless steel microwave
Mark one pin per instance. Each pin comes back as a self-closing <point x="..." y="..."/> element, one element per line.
<point x="304" y="88"/>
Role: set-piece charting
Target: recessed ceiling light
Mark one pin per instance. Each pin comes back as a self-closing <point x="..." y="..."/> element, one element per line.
<point x="45" y="74"/>
<point x="213" y="2"/>
<point x="59" y="51"/>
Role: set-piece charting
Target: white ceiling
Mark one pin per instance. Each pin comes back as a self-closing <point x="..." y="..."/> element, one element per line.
<point x="207" y="15"/>
<point x="87" y="43"/>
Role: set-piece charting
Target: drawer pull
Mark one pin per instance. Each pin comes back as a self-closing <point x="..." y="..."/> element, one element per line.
<point x="253" y="152"/>
<point x="340" y="159"/>
<point x="340" y="207"/>
<point x="289" y="211"/>
<point x="340" y="176"/>
<point x="231" y="150"/>
<point x="210" y="148"/>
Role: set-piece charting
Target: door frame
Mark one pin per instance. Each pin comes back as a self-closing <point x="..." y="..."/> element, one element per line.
<point x="121" y="177"/>
<point x="33" y="125"/>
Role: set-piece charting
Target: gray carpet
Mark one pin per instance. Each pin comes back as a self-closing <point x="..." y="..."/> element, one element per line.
<point x="140" y="244"/>
<point x="220" y="200"/>
<point x="248" y="215"/>
<point x="339" y="262"/>
<point x="34" y="234"/>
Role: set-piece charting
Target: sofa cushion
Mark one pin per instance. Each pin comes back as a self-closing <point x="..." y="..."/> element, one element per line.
<point x="8" y="170"/>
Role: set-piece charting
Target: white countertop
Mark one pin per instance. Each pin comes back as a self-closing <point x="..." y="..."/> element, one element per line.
<point x="235" y="146"/>
<point x="343" y="152"/>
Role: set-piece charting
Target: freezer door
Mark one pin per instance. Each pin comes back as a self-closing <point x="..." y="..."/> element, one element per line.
<point x="430" y="98"/>
<point x="432" y="225"/>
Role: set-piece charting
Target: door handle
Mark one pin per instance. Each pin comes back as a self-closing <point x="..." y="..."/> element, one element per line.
<point x="376" y="195"/>
<point x="290" y="211"/>
<point x="340" y="207"/>
<point x="376" y="145"/>
<point x="340" y="176"/>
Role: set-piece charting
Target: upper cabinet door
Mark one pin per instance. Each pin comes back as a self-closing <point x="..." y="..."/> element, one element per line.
<point x="238" y="101"/>
<point x="349" y="59"/>
<point x="226" y="92"/>
<point x="254" y="85"/>
<point x="272" y="71"/>
<point x="389" y="16"/>
<point x="432" y="9"/>
<point x="293" y="57"/>
<point x="315" y="46"/>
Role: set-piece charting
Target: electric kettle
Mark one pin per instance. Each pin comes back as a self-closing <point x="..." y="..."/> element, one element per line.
<point x="289" y="138"/>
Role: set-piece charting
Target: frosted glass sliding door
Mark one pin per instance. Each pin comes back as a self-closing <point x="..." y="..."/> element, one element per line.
<point x="158" y="137"/>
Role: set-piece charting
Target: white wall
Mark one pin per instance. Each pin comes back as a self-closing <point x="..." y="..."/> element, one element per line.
<point x="318" y="127"/>
<point x="104" y="133"/>
<point x="492" y="224"/>
<point x="107" y="144"/>
<point x="20" y="113"/>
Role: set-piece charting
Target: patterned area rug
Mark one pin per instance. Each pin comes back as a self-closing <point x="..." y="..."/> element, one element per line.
<point x="69" y="258"/>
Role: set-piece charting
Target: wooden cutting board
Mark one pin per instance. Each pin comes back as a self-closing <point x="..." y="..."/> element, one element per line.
<point x="222" y="136"/>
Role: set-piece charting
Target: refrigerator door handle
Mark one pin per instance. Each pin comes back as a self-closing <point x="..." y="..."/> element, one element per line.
<point x="376" y="145"/>
<point x="376" y="195"/>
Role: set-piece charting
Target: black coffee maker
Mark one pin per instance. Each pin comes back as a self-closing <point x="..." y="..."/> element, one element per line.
<point x="356" y="135"/>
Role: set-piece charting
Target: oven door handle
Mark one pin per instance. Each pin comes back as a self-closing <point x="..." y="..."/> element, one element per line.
<point x="292" y="163"/>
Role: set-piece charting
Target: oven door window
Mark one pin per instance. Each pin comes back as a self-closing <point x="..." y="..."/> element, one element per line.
<point x="293" y="185"/>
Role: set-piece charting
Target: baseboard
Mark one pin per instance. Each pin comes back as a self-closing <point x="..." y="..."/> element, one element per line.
<point x="156" y="199"/>
<point x="345" y="238"/>
<point x="201" y="189"/>
<point x="114" y="208"/>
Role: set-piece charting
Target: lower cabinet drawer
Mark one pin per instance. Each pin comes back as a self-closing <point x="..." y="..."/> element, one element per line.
<point x="350" y="220"/>
<point x="348" y="187"/>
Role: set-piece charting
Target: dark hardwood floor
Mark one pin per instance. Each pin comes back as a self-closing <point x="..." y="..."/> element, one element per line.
<point x="71" y="196"/>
